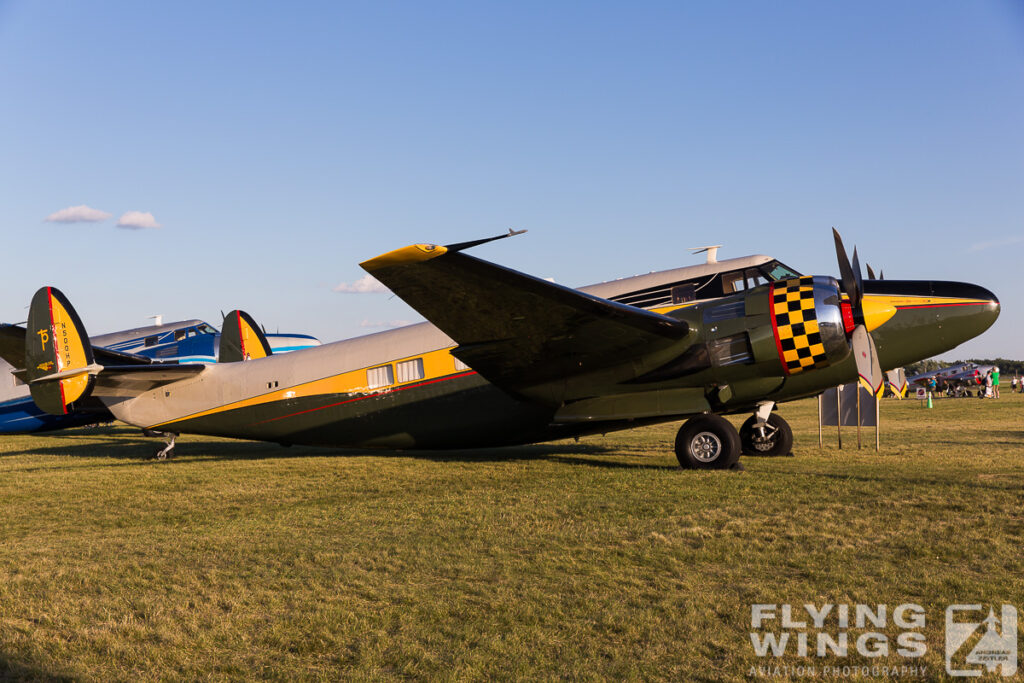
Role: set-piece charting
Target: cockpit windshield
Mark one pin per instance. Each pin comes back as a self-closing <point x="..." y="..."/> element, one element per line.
<point x="205" y="328"/>
<point x="777" y="271"/>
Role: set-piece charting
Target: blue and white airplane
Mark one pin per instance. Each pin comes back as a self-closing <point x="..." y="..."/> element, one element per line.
<point x="186" y="341"/>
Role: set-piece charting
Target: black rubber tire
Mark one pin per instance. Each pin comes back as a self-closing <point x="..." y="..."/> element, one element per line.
<point x="782" y="444"/>
<point x="719" y="438"/>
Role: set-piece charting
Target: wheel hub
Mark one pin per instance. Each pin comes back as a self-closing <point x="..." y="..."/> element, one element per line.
<point x="706" y="446"/>
<point x="764" y="438"/>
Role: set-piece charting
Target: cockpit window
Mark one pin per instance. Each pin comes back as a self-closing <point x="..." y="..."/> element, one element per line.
<point x="179" y="335"/>
<point x="733" y="282"/>
<point x="205" y="328"/>
<point x="777" y="271"/>
<point x="683" y="293"/>
<point x="755" y="278"/>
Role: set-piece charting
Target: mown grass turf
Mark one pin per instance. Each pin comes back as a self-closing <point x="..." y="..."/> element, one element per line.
<point x="588" y="561"/>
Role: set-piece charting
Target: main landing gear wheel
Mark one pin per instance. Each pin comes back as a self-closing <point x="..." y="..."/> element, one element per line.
<point x="775" y="438"/>
<point x="707" y="442"/>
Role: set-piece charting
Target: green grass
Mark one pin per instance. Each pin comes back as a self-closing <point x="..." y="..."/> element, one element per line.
<point x="587" y="561"/>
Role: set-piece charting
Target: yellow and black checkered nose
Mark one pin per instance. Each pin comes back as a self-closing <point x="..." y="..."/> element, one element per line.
<point x="795" y="323"/>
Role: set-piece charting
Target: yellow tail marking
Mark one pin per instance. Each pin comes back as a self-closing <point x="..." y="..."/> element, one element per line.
<point x="70" y="351"/>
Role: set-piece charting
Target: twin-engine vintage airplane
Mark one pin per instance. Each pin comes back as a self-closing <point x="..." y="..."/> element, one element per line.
<point x="514" y="359"/>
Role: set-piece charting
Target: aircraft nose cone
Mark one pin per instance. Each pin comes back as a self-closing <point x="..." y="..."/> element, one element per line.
<point x="968" y="310"/>
<point x="986" y="303"/>
<point x="933" y="316"/>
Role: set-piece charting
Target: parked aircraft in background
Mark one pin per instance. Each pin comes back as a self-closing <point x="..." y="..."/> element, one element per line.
<point x="510" y="358"/>
<point x="186" y="341"/>
<point x="955" y="380"/>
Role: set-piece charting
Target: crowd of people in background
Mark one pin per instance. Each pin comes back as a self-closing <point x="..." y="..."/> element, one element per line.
<point x="987" y="384"/>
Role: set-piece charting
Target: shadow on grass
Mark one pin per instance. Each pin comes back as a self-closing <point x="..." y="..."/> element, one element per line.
<point x="12" y="670"/>
<point x="121" y="444"/>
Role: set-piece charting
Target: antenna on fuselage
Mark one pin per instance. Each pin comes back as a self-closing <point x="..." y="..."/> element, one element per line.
<point x="712" y="252"/>
<point x="158" y="320"/>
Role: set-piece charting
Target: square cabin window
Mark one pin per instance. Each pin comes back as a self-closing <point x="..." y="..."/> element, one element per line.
<point x="380" y="376"/>
<point x="409" y="370"/>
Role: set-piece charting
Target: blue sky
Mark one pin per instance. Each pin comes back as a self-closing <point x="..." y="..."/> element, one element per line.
<point x="279" y="144"/>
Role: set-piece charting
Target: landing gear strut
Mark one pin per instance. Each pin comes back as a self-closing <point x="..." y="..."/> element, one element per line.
<point x="766" y="434"/>
<point x="168" y="450"/>
<point x="707" y="442"/>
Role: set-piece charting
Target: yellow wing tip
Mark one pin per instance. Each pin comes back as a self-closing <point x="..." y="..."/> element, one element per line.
<point x="414" y="253"/>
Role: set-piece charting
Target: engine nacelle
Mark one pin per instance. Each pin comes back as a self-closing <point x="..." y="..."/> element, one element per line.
<point x="810" y="322"/>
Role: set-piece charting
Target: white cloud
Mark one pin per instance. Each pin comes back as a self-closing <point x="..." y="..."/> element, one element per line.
<point x="78" y="214"/>
<point x="365" y="285"/>
<point x="1005" y="242"/>
<point x="135" y="220"/>
<point x="384" y="323"/>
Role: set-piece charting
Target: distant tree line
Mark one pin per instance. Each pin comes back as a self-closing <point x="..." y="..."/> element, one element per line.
<point x="1007" y="367"/>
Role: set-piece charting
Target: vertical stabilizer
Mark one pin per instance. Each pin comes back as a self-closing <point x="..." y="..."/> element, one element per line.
<point x="241" y="339"/>
<point x="58" y="356"/>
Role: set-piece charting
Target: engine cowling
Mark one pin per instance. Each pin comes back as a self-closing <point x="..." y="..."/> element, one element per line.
<point x="810" y="323"/>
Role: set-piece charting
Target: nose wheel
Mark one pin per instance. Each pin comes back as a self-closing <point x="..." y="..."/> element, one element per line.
<point x="707" y="442"/>
<point x="774" y="437"/>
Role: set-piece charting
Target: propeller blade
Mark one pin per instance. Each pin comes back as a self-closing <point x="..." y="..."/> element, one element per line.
<point x="897" y="382"/>
<point x="866" y="355"/>
<point x="871" y="273"/>
<point x="846" y="270"/>
<point x="857" y="275"/>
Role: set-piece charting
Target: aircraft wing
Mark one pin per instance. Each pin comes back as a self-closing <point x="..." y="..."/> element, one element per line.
<point x="12" y="350"/>
<point x="520" y="331"/>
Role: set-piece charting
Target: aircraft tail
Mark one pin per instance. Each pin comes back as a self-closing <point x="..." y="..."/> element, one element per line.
<point x="241" y="339"/>
<point x="58" y="356"/>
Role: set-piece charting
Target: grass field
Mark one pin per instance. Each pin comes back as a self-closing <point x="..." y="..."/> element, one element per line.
<point x="593" y="560"/>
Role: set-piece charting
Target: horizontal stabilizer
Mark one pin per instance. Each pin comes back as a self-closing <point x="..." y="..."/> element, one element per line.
<point x="131" y="380"/>
<point x="12" y="345"/>
<point x="241" y="339"/>
<point x="12" y="350"/>
<point x="517" y="330"/>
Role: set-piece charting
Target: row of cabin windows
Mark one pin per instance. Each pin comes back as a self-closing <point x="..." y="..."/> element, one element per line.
<point x="407" y="371"/>
<point x="384" y="375"/>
